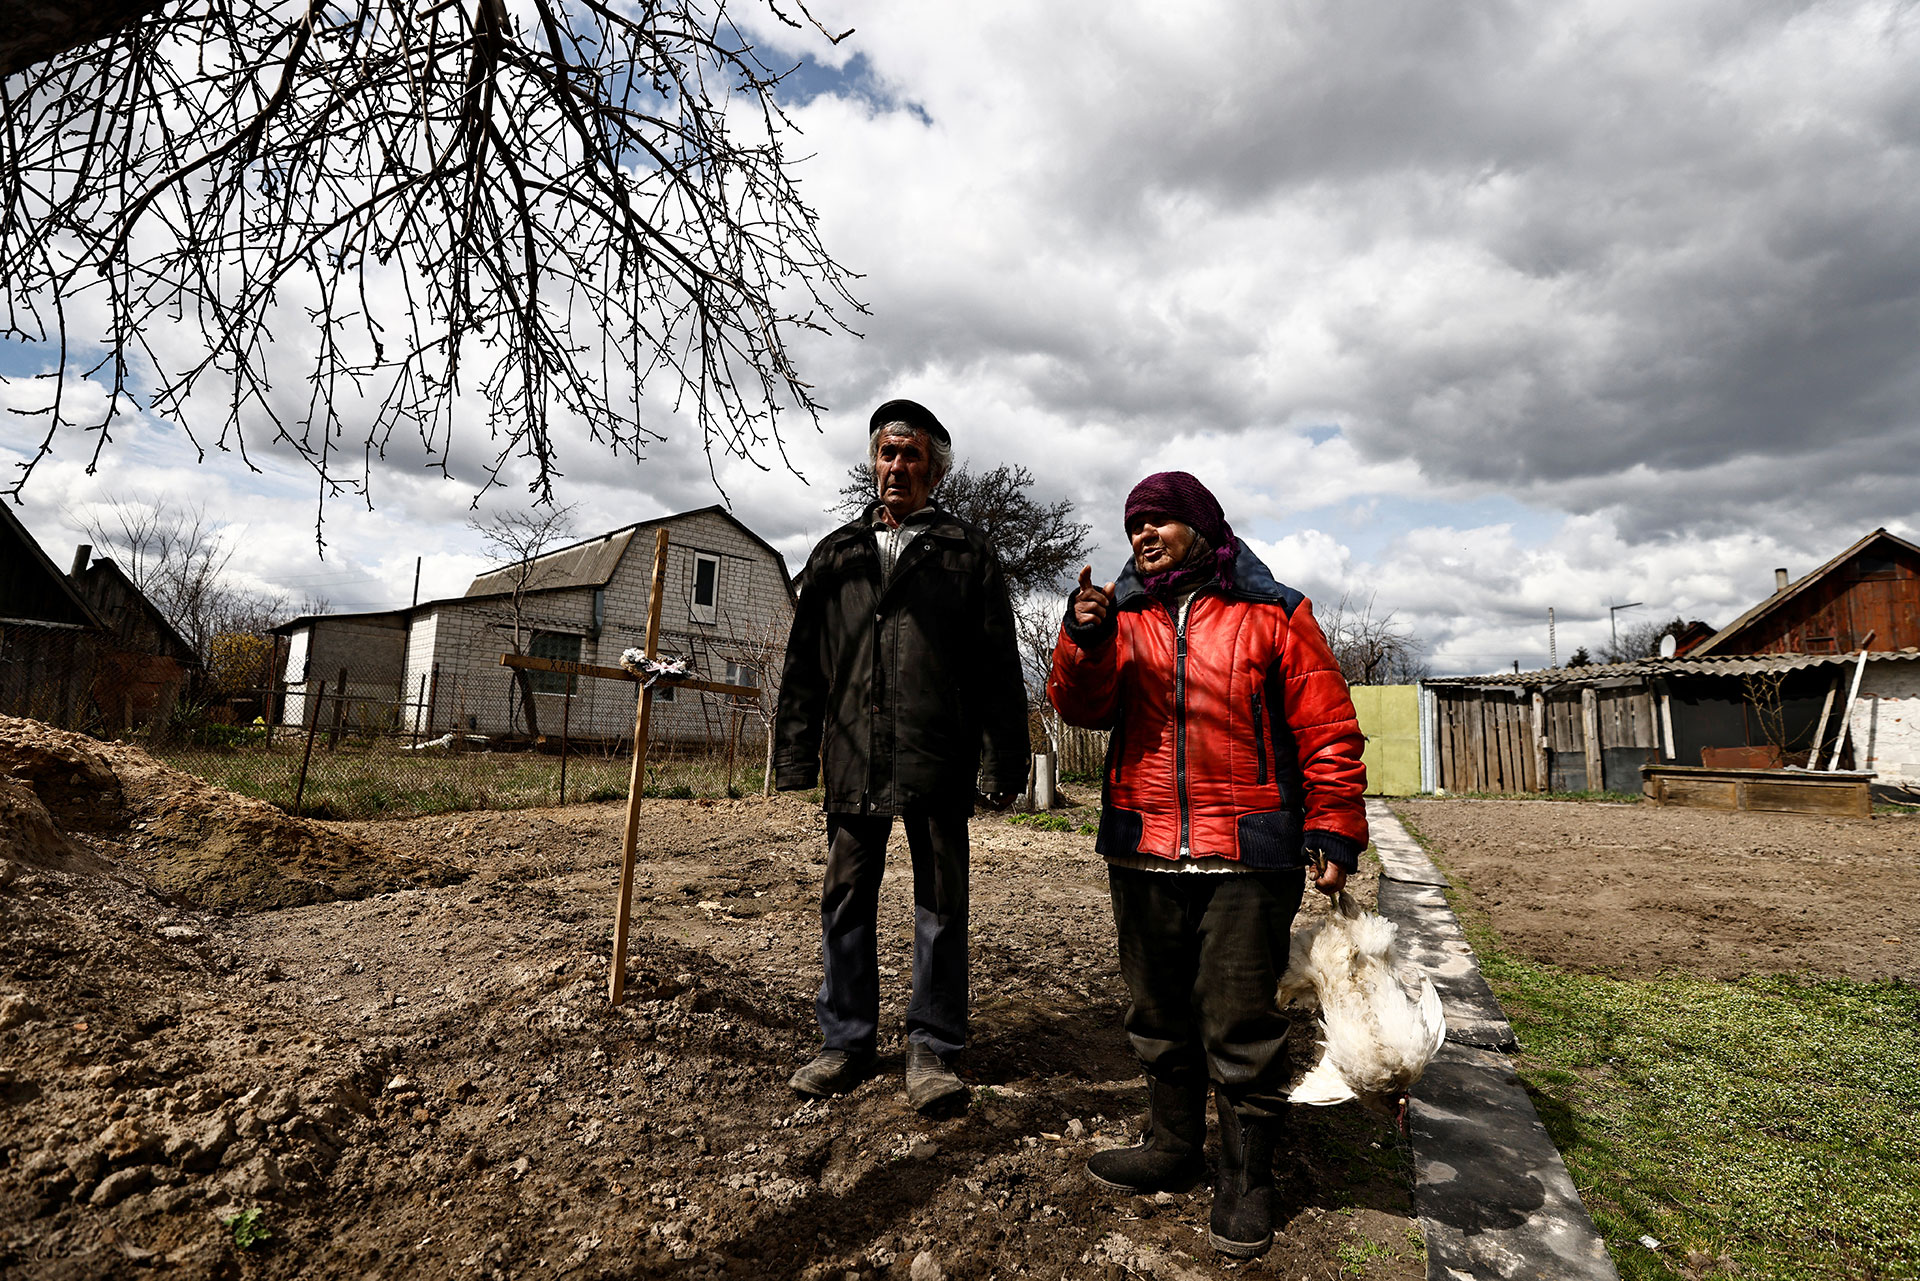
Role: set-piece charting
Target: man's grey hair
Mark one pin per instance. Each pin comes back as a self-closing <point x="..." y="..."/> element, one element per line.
<point x="939" y="452"/>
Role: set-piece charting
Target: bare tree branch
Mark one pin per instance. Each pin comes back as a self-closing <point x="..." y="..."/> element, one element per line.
<point x="555" y="212"/>
<point x="1372" y="649"/>
<point x="178" y="558"/>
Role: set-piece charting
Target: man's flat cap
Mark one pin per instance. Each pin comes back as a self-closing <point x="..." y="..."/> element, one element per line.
<point x="913" y="414"/>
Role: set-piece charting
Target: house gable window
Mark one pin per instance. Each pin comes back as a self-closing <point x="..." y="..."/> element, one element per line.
<point x="1870" y="566"/>
<point x="561" y="645"/>
<point x="706" y="588"/>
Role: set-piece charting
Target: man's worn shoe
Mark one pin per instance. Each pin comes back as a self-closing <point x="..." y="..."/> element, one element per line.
<point x="1170" y="1158"/>
<point x="833" y="1072"/>
<point x="929" y="1080"/>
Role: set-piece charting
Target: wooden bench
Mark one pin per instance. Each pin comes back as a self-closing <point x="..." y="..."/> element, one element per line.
<point x="1836" y="795"/>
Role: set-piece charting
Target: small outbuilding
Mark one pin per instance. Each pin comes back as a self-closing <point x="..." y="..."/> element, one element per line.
<point x="435" y="667"/>
<point x="86" y="649"/>
<point x="1823" y="673"/>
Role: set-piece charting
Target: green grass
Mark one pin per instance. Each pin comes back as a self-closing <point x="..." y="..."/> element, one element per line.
<point x="248" y="1231"/>
<point x="1052" y="823"/>
<point x="374" y="779"/>
<point x="1773" y="1120"/>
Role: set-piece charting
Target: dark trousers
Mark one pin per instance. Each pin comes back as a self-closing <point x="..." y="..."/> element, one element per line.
<point x="848" y="1006"/>
<point x="1202" y="954"/>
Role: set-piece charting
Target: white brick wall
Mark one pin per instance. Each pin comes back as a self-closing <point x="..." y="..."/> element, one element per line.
<point x="417" y="672"/>
<point x="294" y="709"/>
<point x="468" y="639"/>
<point x="1886" y="721"/>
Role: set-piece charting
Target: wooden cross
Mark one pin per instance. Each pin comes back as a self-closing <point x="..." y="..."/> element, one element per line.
<point x="643" y="712"/>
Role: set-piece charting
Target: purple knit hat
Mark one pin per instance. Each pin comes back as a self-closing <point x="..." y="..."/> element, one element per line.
<point x="1180" y="495"/>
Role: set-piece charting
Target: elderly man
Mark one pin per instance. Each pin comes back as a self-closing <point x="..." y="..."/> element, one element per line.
<point x="903" y="658"/>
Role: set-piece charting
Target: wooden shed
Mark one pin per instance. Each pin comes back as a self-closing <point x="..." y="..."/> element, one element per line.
<point x="1867" y="597"/>
<point x="1592" y="728"/>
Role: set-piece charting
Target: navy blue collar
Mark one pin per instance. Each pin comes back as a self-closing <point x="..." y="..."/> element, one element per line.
<point x="1249" y="579"/>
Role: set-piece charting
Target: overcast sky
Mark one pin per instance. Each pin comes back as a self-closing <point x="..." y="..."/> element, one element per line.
<point x="1479" y="308"/>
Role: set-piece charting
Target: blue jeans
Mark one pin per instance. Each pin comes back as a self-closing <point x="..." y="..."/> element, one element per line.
<point x="848" y="1006"/>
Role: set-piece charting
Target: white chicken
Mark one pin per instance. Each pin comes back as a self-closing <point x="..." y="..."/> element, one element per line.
<point x="1377" y="1033"/>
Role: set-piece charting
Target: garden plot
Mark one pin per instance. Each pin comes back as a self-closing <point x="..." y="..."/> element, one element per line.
<point x="420" y="1076"/>
<point x="1632" y="890"/>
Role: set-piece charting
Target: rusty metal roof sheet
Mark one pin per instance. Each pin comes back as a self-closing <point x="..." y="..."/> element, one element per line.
<point x="588" y="564"/>
<point x="1730" y="665"/>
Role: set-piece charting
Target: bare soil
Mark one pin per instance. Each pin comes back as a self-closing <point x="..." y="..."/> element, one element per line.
<point x="409" y="1067"/>
<point x="1635" y="890"/>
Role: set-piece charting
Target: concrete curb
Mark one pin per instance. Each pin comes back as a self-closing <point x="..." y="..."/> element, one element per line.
<point x="1494" y="1198"/>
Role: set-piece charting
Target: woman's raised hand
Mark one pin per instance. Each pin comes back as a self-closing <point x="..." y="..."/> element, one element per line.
<point x="1091" y="604"/>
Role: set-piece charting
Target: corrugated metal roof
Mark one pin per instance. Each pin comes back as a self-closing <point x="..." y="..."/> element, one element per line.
<point x="1731" y="665"/>
<point x="588" y="564"/>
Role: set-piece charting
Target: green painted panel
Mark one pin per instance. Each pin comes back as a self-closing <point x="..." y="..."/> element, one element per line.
<point x="1390" y="718"/>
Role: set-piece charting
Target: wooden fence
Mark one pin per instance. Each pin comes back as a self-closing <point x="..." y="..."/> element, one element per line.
<point x="1083" y="752"/>
<point x="1571" y="738"/>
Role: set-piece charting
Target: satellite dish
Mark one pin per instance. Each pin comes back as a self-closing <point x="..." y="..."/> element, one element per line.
<point x="1668" y="644"/>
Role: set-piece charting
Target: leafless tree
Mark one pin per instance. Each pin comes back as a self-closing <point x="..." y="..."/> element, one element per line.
<point x="761" y="648"/>
<point x="1642" y="640"/>
<point x="517" y="540"/>
<point x="1039" y="543"/>
<point x="1371" y="648"/>
<point x="391" y="203"/>
<point x="177" y="557"/>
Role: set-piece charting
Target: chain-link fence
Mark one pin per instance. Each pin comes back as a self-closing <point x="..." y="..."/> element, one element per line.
<point x="341" y="746"/>
<point x="355" y="743"/>
<point x="78" y="679"/>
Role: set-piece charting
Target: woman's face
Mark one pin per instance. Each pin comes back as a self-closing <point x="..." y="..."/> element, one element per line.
<point x="1159" y="542"/>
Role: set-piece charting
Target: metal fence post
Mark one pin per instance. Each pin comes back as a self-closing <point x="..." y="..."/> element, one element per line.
<point x="566" y="716"/>
<point x="313" y="724"/>
<point x="273" y="692"/>
<point x="339" y="712"/>
<point x="419" y="710"/>
<point x="433" y="698"/>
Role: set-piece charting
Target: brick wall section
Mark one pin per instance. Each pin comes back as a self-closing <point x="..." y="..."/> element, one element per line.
<point x="1886" y="722"/>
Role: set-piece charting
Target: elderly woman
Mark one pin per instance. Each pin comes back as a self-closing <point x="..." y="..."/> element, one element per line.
<point x="1234" y="763"/>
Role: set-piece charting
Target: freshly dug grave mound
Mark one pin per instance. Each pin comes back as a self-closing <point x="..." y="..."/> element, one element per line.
<point x="28" y="833"/>
<point x="208" y="846"/>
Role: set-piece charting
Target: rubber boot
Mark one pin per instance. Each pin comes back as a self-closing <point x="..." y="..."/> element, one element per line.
<point x="1242" y="1221"/>
<point x="1171" y="1156"/>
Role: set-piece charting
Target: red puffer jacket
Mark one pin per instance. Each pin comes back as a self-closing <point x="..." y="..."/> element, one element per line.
<point x="1233" y="735"/>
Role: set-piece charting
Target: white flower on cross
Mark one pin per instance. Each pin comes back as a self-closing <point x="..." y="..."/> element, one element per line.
<point x="652" y="669"/>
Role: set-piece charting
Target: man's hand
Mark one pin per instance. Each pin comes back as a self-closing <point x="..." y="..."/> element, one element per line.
<point x="995" y="800"/>
<point x="1091" y="604"/>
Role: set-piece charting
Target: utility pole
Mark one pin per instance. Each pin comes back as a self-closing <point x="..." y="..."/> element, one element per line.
<point x="1613" y="627"/>
<point x="416" y="581"/>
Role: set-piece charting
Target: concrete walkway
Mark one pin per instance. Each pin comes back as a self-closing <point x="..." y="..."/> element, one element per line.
<point x="1493" y="1196"/>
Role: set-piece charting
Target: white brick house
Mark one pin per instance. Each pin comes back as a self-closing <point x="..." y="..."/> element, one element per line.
<point x="726" y="608"/>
